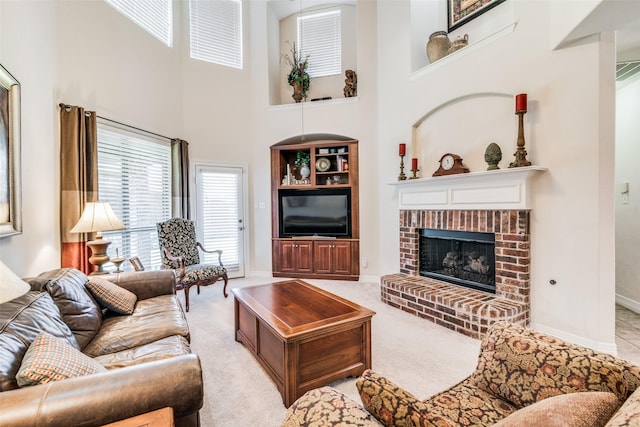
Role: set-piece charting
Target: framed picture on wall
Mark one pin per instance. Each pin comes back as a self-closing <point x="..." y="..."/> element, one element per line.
<point x="10" y="197"/>
<point x="462" y="11"/>
<point x="136" y="263"/>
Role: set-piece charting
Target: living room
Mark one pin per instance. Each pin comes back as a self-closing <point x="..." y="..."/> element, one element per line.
<point x="562" y="54"/>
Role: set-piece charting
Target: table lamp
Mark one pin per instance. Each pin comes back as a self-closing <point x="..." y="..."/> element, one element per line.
<point x="96" y="218"/>
<point x="11" y="286"/>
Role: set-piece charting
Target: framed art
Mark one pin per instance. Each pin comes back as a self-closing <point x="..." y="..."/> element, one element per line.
<point x="10" y="197"/>
<point x="462" y="11"/>
<point x="136" y="263"/>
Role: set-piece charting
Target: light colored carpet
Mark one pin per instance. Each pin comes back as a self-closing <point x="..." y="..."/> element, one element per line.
<point x="414" y="353"/>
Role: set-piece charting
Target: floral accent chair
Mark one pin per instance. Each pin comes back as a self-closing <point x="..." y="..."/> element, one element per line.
<point x="179" y="252"/>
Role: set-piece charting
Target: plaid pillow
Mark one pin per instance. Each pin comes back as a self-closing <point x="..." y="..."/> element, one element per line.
<point x="111" y="296"/>
<point x="52" y="359"/>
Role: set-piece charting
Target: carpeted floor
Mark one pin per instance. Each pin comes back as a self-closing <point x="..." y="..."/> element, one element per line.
<point x="416" y="354"/>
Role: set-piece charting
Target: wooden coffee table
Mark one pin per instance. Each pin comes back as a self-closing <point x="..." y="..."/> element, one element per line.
<point x="303" y="336"/>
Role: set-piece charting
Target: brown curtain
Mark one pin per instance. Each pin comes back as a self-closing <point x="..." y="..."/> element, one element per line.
<point x="180" y="196"/>
<point x="78" y="181"/>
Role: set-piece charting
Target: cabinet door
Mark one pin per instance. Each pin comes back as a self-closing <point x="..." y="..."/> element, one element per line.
<point x="296" y="256"/>
<point x="304" y="252"/>
<point x="342" y="257"/>
<point x="332" y="257"/>
<point x="287" y="257"/>
<point x="323" y="259"/>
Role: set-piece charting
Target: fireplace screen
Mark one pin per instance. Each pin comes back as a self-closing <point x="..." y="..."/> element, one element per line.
<point x="460" y="257"/>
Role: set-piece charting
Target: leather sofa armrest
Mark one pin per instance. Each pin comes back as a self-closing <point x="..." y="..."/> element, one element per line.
<point x="98" y="399"/>
<point x="146" y="284"/>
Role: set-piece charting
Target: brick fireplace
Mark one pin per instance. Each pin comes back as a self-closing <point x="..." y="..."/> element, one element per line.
<point x="489" y="202"/>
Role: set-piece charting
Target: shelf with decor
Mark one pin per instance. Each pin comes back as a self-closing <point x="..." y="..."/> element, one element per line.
<point x="458" y="54"/>
<point x="315" y="217"/>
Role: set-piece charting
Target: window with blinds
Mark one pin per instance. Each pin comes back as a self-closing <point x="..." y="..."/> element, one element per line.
<point x="319" y="36"/>
<point x="216" y="31"/>
<point x="155" y="16"/>
<point x="219" y="196"/>
<point x="134" y="176"/>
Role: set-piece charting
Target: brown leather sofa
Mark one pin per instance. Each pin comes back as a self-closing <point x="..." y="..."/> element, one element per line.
<point x="147" y="354"/>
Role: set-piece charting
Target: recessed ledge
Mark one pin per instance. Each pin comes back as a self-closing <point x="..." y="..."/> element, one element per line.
<point x="508" y="189"/>
<point x="314" y="104"/>
<point x="462" y="52"/>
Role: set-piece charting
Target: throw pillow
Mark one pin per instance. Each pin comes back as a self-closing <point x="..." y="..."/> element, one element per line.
<point x="587" y="409"/>
<point x="523" y="367"/>
<point x="111" y="296"/>
<point x="52" y="359"/>
<point x="78" y="308"/>
<point x="629" y="412"/>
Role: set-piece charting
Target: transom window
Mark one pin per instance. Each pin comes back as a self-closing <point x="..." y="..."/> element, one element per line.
<point x="154" y="16"/>
<point x="216" y="31"/>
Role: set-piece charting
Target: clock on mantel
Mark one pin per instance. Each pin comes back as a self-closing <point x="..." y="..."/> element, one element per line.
<point x="450" y="164"/>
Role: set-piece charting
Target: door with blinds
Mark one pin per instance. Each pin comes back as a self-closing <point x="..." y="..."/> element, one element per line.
<point x="220" y="214"/>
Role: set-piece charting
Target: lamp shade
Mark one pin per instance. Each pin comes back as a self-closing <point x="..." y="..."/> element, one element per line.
<point x="11" y="286"/>
<point x="97" y="216"/>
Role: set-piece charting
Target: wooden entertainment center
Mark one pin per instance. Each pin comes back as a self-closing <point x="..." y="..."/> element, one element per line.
<point x="297" y="250"/>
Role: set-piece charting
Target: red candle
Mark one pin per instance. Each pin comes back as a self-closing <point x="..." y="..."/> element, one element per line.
<point x="403" y="149"/>
<point x="521" y="102"/>
<point x="414" y="164"/>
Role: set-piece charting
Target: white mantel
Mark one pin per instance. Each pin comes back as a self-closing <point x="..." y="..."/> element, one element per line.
<point x="501" y="189"/>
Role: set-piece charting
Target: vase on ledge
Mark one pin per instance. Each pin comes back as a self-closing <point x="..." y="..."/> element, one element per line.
<point x="297" y="92"/>
<point x="305" y="172"/>
<point x="438" y="46"/>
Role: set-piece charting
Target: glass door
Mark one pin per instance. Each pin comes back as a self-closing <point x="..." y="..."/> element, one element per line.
<point x="220" y="214"/>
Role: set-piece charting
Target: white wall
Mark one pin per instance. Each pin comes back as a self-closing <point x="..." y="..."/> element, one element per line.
<point x="28" y="52"/>
<point x="627" y="171"/>
<point x="568" y="129"/>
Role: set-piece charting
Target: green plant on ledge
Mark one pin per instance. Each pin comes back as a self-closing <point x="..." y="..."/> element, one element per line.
<point x="298" y="76"/>
<point x="302" y="158"/>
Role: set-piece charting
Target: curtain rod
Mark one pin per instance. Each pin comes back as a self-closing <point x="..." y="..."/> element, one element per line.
<point x="67" y="106"/>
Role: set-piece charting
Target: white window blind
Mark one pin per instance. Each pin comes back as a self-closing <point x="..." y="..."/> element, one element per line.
<point x="216" y="31"/>
<point x="218" y="216"/>
<point x="319" y="36"/>
<point x="154" y="16"/>
<point x="134" y="176"/>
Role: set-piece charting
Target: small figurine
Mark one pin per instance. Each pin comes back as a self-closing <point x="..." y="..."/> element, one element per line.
<point x="492" y="156"/>
<point x="350" y="84"/>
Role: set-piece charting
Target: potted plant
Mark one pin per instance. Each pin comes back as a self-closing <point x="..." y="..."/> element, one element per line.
<point x="298" y="76"/>
<point x="302" y="163"/>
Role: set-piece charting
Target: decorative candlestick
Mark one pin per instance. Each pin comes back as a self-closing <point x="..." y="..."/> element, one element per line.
<point x="117" y="262"/>
<point x="521" y="153"/>
<point x="402" y="176"/>
<point x="414" y="168"/>
<point x="402" y="151"/>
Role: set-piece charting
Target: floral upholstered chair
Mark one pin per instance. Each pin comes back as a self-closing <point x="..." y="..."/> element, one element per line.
<point x="179" y="251"/>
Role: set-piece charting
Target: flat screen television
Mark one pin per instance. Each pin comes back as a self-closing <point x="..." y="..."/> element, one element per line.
<point x="323" y="212"/>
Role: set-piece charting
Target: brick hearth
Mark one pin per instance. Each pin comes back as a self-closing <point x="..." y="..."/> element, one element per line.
<point x="464" y="310"/>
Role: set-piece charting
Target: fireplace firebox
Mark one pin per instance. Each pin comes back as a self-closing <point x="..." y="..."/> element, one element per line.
<point x="460" y="257"/>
